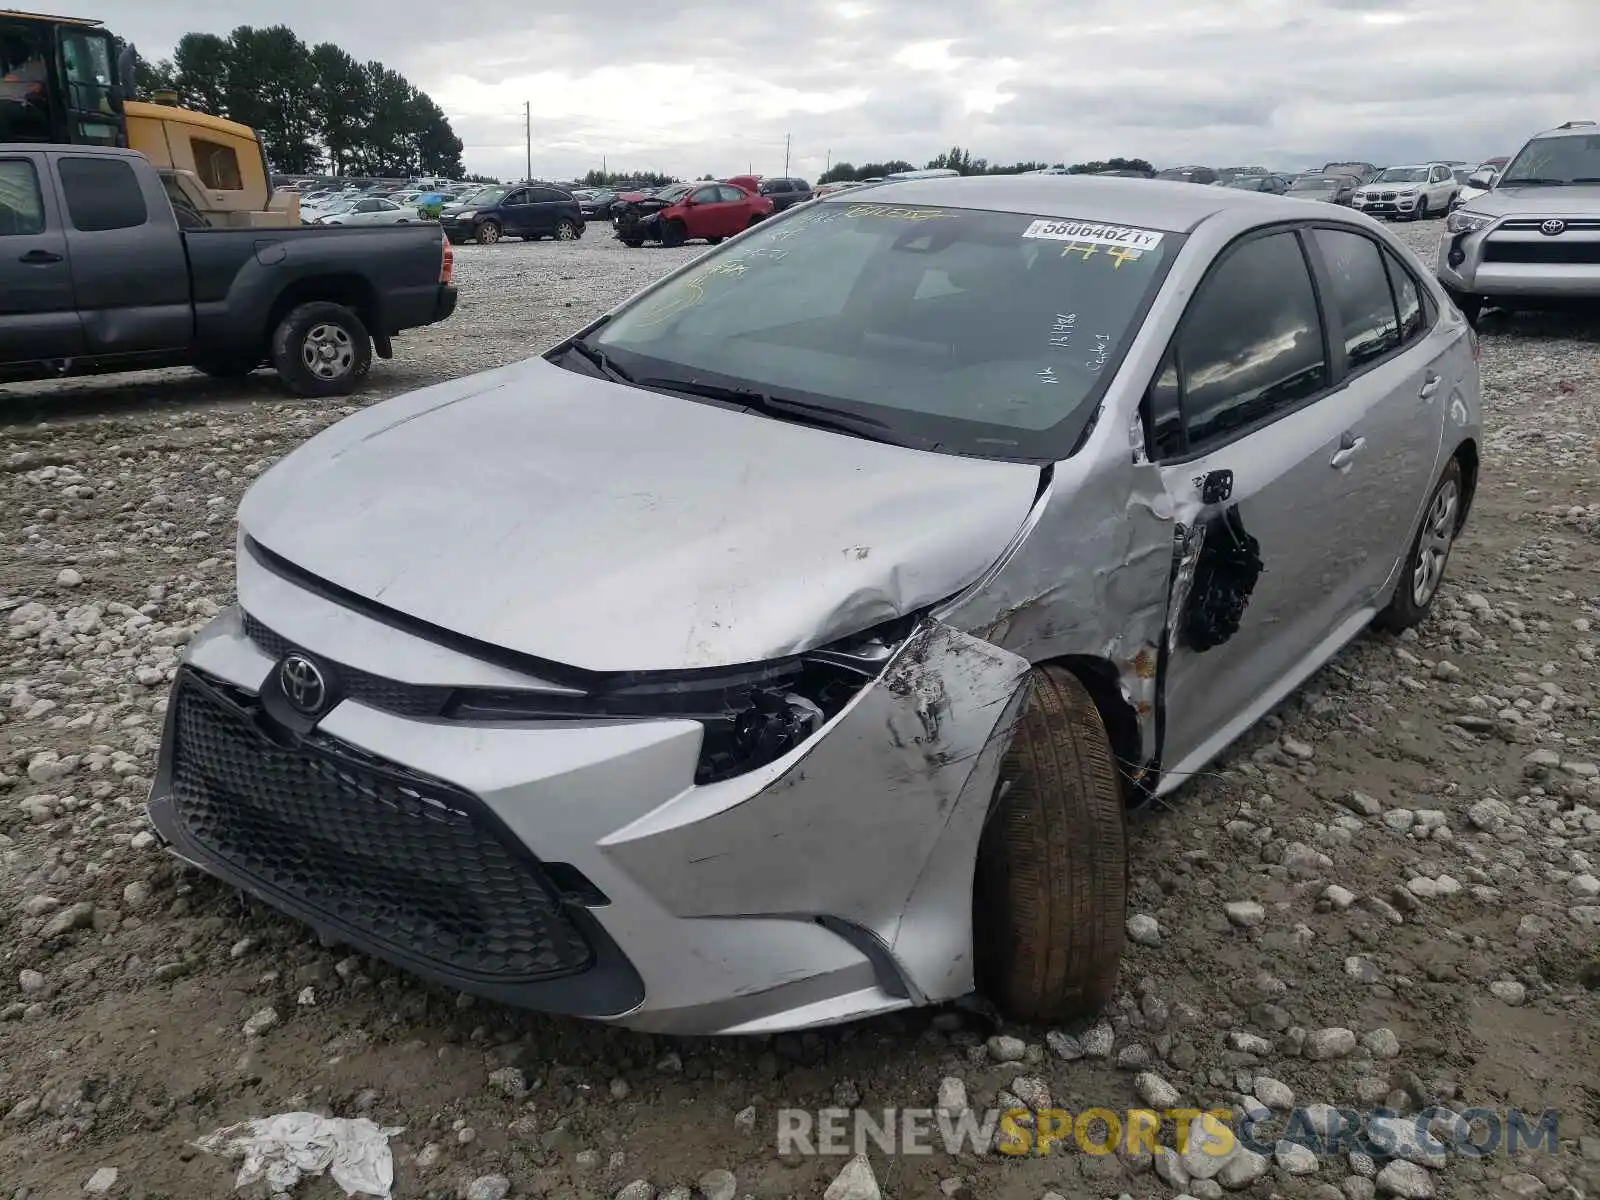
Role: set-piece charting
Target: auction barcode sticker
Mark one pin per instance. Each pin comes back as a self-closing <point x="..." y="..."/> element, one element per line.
<point x="1094" y="234"/>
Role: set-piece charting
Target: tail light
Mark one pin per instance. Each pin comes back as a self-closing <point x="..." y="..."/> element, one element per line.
<point x="447" y="261"/>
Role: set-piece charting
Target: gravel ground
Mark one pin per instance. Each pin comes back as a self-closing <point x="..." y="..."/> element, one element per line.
<point x="1407" y="851"/>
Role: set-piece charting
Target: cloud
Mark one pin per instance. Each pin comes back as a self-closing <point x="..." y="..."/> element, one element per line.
<point x="712" y="85"/>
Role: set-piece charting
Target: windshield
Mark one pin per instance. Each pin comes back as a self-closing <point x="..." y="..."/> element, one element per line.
<point x="1403" y="175"/>
<point x="1249" y="183"/>
<point x="675" y="192"/>
<point x="1556" y="160"/>
<point x="488" y="195"/>
<point x="337" y="206"/>
<point x="973" y="332"/>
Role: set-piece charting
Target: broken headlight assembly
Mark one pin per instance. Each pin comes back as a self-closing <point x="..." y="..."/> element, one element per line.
<point x="751" y="715"/>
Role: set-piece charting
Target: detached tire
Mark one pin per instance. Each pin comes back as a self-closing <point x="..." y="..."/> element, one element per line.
<point x="321" y="349"/>
<point x="1051" y="889"/>
<point x="1428" y="556"/>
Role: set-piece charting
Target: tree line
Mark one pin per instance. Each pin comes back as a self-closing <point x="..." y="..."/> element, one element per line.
<point x="315" y="107"/>
<point x="960" y="160"/>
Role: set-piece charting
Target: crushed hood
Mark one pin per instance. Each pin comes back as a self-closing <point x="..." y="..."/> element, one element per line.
<point x="615" y="529"/>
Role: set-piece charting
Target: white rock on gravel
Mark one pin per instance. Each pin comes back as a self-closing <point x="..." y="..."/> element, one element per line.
<point x="102" y="1181"/>
<point x="1294" y="1158"/>
<point x="1242" y="1169"/>
<point x="1508" y="991"/>
<point x="1405" y="1180"/>
<point x="1246" y="914"/>
<point x="260" y="1022"/>
<point x="718" y="1184"/>
<point x="855" y="1182"/>
<point x="1144" y="930"/>
<point x="1156" y="1091"/>
<point x="487" y="1187"/>
<point x="1324" y="1044"/>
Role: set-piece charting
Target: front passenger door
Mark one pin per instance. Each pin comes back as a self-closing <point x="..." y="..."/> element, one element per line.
<point x="38" y="312"/>
<point x="700" y="214"/>
<point x="733" y="211"/>
<point x="515" y="214"/>
<point x="1248" y="431"/>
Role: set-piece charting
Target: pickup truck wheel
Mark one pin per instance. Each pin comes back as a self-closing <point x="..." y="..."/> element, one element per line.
<point x="1051" y="887"/>
<point x="321" y="349"/>
<point x="488" y="233"/>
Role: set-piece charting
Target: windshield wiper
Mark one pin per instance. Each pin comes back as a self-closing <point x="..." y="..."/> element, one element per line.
<point x="803" y="412"/>
<point x="1532" y="181"/>
<point x="589" y="354"/>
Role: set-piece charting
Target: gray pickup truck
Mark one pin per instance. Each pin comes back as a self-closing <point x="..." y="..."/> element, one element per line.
<point x="97" y="276"/>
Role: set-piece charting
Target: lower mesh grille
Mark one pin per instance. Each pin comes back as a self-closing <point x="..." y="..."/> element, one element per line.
<point x="405" y="860"/>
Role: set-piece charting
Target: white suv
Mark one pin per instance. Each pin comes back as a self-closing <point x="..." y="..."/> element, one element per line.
<point x="1415" y="192"/>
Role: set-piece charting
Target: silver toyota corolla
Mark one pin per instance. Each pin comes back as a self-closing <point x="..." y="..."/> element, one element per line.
<point x="789" y="646"/>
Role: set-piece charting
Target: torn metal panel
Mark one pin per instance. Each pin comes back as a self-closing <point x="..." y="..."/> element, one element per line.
<point x="1091" y="579"/>
<point x="911" y="762"/>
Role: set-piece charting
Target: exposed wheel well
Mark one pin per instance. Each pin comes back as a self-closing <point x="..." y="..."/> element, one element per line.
<point x="352" y="291"/>
<point x="1100" y="679"/>
<point x="1467" y="455"/>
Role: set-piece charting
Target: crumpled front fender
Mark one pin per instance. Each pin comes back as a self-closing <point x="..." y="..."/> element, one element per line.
<point x="874" y="823"/>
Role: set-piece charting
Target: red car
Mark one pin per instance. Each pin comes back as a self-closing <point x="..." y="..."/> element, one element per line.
<point x="675" y="214"/>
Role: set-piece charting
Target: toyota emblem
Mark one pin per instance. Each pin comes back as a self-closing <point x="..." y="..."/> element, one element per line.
<point x="1551" y="228"/>
<point x="303" y="684"/>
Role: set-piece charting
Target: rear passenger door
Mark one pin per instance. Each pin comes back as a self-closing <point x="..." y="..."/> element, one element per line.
<point x="38" y="314"/>
<point x="1393" y="361"/>
<point x="130" y="273"/>
<point x="1250" y="431"/>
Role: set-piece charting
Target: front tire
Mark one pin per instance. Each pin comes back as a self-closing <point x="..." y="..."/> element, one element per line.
<point x="1420" y="213"/>
<point x="1051" y="887"/>
<point x="674" y="233"/>
<point x="1429" y="554"/>
<point x="1471" y="306"/>
<point x="488" y="233"/>
<point x="321" y="349"/>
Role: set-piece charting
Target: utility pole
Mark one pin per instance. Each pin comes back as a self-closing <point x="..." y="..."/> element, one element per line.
<point x="786" y="156"/>
<point x="527" y="129"/>
<point x="827" y="163"/>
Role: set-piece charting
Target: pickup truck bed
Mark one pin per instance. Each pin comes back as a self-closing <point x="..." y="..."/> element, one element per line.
<point x="96" y="276"/>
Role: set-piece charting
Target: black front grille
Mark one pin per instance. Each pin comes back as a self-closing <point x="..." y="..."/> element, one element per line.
<point x="410" y="862"/>
<point x="1553" y="251"/>
<point x="404" y="699"/>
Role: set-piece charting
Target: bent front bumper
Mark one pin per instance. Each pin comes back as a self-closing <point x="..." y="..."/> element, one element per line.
<point x="573" y="866"/>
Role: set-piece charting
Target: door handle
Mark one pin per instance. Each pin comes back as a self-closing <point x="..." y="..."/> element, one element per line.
<point x="1429" y="387"/>
<point x="1349" y="447"/>
<point x="40" y="257"/>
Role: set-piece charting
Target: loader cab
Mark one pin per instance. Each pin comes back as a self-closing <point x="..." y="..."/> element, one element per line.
<point x="59" y="81"/>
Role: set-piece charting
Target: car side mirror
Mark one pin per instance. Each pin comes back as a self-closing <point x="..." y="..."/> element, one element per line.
<point x="1482" y="179"/>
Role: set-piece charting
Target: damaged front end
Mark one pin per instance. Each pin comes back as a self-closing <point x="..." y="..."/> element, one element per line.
<point x="638" y="220"/>
<point x="870" y="830"/>
<point x="750" y="716"/>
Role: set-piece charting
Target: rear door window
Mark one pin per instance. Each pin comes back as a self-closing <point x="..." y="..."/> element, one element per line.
<point x="102" y="194"/>
<point x="1362" y="306"/>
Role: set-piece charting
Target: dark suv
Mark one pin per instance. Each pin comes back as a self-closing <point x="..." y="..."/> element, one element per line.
<point x="785" y="193"/>
<point x="528" y="211"/>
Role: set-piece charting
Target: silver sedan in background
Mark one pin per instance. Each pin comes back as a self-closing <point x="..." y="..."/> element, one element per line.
<point x="789" y="645"/>
<point x="371" y="211"/>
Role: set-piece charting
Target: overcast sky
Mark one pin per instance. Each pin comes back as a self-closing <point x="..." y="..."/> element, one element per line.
<point x="690" y="86"/>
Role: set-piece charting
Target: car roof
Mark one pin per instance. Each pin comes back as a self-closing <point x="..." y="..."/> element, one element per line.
<point x="1570" y="129"/>
<point x="1143" y="203"/>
